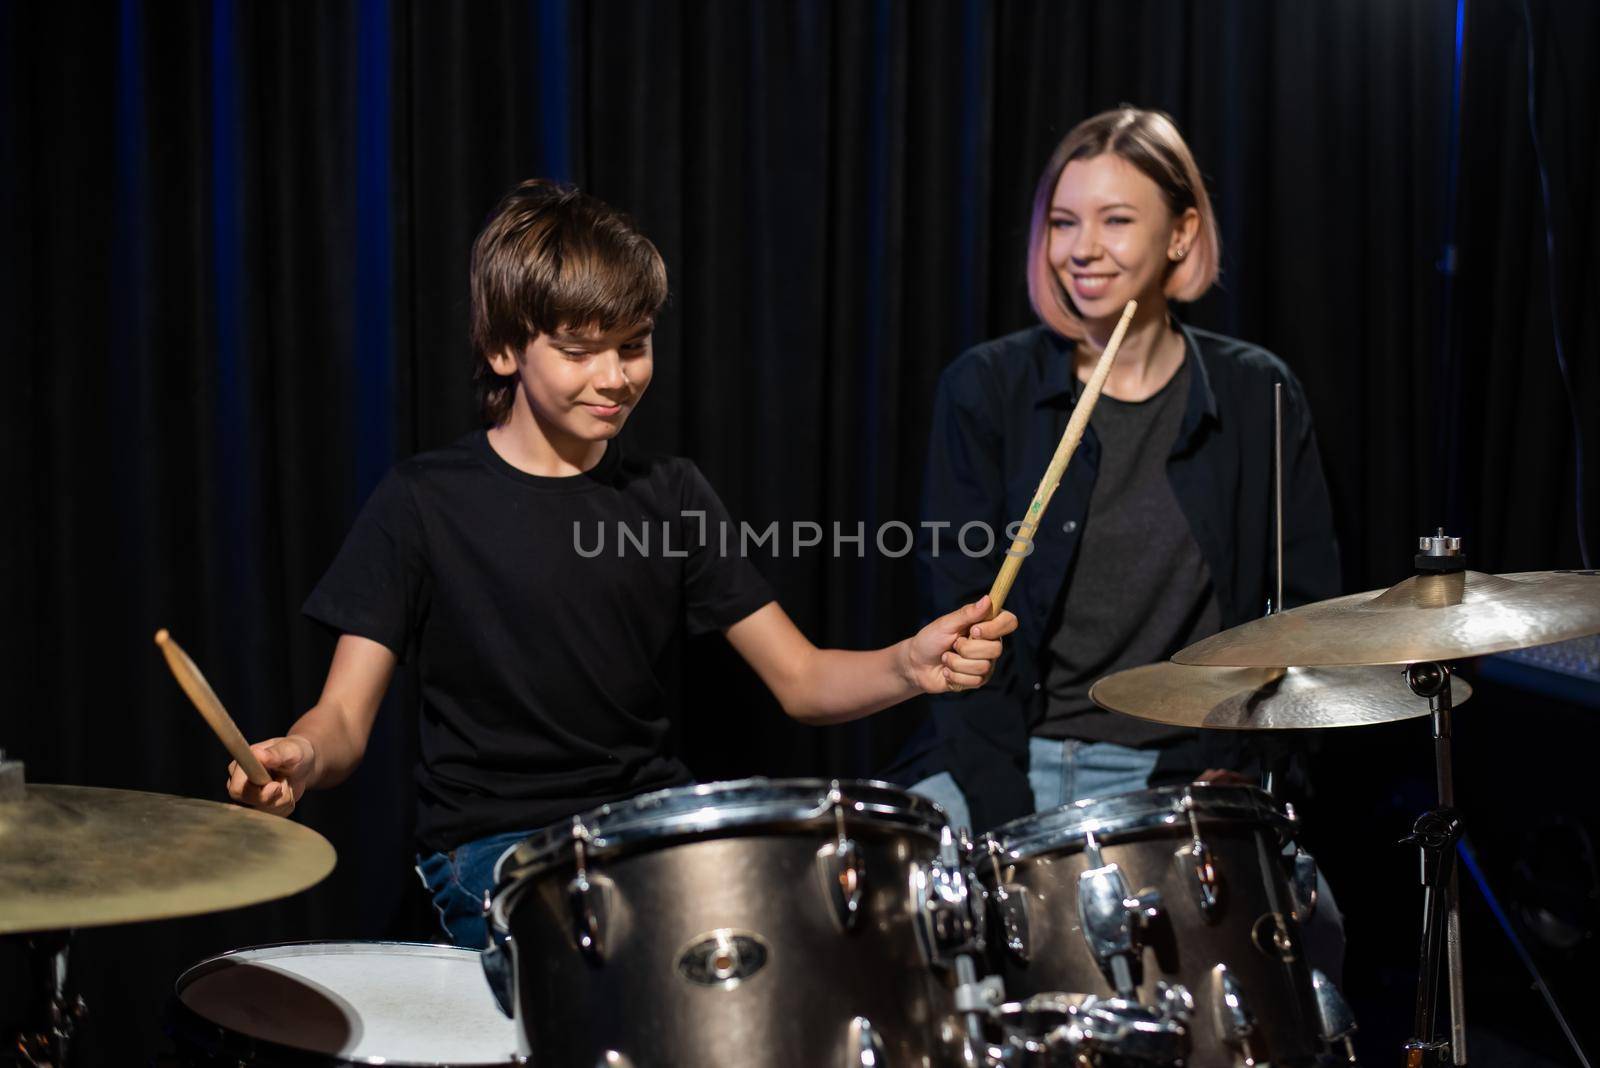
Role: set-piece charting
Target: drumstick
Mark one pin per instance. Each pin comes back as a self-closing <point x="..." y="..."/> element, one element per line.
<point x="1058" y="465"/>
<point x="205" y="699"/>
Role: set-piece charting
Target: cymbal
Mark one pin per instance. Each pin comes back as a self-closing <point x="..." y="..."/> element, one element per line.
<point x="83" y="856"/>
<point x="1427" y="617"/>
<point x="1264" y="698"/>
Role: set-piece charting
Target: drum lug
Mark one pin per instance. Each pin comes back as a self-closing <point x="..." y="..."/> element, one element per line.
<point x="498" y="969"/>
<point x="586" y="900"/>
<point x="863" y="1045"/>
<point x="844" y="876"/>
<point x="1199" y="867"/>
<point x="1113" y="921"/>
<point x="1201" y="874"/>
<point x="1337" y="1022"/>
<point x="1011" y="907"/>
<point x="1010" y="903"/>
<point x="1231" y="1013"/>
<point x="946" y="924"/>
<point x="1303" y="884"/>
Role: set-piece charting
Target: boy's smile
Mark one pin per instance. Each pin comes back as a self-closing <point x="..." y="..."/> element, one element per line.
<point x="575" y="390"/>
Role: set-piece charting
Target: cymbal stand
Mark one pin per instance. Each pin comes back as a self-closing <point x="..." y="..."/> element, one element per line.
<point x="54" y="1008"/>
<point x="1435" y="834"/>
<point x="1275" y="766"/>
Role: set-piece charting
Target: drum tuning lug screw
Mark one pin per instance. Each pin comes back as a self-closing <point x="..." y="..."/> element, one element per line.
<point x="840" y="866"/>
<point x="1336" y="1021"/>
<point x="1205" y="881"/>
<point x="586" y="898"/>
<point x="1235" y="1022"/>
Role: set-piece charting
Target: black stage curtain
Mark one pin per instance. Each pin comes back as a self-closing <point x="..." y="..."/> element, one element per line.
<point x="235" y="246"/>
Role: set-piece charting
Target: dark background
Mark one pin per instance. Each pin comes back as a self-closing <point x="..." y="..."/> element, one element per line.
<point x="235" y="240"/>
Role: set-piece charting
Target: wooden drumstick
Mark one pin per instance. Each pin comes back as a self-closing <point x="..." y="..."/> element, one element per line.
<point x="1068" y="445"/>
<point x="205" y="699"/>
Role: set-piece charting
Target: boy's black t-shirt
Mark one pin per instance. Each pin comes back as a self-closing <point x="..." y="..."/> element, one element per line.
<point x="541" y="612"/>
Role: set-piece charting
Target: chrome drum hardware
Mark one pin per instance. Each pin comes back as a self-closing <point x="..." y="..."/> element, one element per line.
<point x="1209" y="944"/>
<point x="1065" y="1031"/>
<point x="752" y="924"/>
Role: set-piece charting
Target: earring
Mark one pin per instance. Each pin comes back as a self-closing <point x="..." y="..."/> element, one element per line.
<point x="1178" y="253"/>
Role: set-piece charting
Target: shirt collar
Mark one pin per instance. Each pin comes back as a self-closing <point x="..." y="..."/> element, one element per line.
<point x="1057" y="379"/>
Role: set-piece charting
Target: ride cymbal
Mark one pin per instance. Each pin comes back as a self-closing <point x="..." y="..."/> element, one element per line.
<point x="1264" y="698"/>
<point x="82" y="856"/>
<point x="1427" y="617"/>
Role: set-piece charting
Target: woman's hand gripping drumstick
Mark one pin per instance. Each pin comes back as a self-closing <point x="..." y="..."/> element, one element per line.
<point x="205" y="699"/>
<point x="1058" y="465"/>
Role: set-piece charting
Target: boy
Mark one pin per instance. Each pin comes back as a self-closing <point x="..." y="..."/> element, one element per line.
<point x="540" y="659"/>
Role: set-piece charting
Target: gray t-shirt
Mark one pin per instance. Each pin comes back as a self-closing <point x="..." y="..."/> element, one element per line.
<point x="1139" y="589"/>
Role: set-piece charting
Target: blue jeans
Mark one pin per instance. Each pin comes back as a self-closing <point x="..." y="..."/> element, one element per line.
<point x="460" y="881"/>
<point x="1059" y="773"/>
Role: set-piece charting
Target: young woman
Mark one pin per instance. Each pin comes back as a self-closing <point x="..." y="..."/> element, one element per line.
<point x="1160" y="533"/>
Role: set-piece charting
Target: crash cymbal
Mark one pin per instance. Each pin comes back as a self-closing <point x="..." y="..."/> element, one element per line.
<point x="1264" y="698"/>
<point x="1427" y="617"/>
<point x="81" y="856"/>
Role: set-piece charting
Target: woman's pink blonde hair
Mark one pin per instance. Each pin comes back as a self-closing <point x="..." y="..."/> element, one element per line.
<point x="1150" y="141"/>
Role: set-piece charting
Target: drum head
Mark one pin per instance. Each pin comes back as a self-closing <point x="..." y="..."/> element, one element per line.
<point x="720" y="808"/>
<point x="1143" y="811"/>
<point x="388" y="1003"/>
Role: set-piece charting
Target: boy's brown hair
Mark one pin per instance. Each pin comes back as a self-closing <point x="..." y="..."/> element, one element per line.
<point x="549" y="259"/>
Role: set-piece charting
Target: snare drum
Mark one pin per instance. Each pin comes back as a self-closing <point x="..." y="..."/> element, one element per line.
<point x="1186" y="887"/>
<point x="334" y="1003"/>
<point x="751" y="924"/>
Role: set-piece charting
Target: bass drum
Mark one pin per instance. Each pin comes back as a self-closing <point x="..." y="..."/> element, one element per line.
<point x="751" y="924"/>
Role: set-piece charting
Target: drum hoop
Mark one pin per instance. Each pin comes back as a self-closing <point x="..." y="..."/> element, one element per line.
<point x="180" y="1014"/>
<point x="686" y="812"/>
<point x="1111" y="818"/>
<point x="313" y="947"/>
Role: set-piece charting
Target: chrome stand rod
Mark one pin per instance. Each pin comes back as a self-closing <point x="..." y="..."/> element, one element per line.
<point x="1436" y="833"/>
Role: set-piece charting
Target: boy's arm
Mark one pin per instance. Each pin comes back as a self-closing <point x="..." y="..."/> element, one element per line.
<point x="955" y="651"/>
<point x="324" y="745"/>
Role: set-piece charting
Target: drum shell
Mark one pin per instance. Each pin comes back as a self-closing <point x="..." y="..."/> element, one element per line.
<point x="763" y="883"/>
<point x="1182" y="945"/>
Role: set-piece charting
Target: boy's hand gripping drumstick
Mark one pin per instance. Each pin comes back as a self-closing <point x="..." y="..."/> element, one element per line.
<point x="205" y="699"/>
<point x="1058" y="465"/>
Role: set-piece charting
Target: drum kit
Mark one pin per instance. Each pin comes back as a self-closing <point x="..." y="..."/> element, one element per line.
<point x="808" y="922"/>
